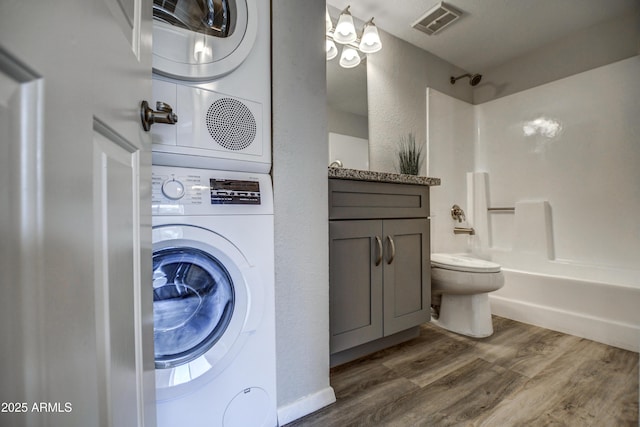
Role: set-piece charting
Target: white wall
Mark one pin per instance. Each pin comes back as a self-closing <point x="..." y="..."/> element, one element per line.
<point x="301" y="214"/>
<point x="450" y="141"/>
<point x="588" y="171"/>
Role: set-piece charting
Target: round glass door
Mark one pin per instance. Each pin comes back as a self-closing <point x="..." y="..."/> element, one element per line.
<point x="193" y="302"/>
<point x="202" y="39"/>
<point x="211" y="17"/>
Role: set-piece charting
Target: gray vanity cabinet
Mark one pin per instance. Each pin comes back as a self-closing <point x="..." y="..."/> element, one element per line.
<point x="355" y="289"/>
<point x="378" y="260"/>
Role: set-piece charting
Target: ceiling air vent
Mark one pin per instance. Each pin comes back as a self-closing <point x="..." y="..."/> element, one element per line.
<point x="437" y="19"/>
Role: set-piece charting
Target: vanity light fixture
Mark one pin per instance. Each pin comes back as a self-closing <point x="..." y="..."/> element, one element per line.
<point x="346" y="35"/>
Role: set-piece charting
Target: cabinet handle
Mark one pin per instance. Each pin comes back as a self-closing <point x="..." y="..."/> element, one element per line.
<point x="379" y="257"/>
<point x="393" y="250"/>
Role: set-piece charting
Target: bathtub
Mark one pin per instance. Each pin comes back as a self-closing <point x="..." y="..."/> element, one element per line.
<point x="592" y="303"/>
<point x="600" y="302"/>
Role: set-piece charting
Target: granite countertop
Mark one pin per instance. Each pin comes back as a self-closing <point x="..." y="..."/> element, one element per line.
<point x="360" y="175"/>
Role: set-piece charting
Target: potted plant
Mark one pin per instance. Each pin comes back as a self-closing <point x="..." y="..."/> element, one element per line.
<point x="409" y="155"/>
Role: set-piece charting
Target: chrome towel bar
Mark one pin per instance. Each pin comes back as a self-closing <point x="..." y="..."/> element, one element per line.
<point x="501" y="209"/>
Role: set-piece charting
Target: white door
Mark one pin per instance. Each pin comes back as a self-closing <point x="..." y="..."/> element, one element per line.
<point x="76" y="340"/>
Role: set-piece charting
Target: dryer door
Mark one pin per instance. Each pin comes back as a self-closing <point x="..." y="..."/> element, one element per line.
<point x="202" y="39"/>
<point x="206" y="302"/>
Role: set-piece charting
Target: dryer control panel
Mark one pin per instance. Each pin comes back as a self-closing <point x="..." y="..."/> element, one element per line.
<point x="234" y="192"/>
<point x="186" y="191"/>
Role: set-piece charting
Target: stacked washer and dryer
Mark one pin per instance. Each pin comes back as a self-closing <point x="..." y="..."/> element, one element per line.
<point x="212" y="201"/>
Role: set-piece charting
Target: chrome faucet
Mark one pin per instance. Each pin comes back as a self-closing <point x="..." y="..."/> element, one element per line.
<point x="457" y="213"/>
<point x="336" y="164"/>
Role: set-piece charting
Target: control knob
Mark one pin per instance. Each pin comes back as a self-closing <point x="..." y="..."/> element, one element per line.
<point x="173" y="189"/>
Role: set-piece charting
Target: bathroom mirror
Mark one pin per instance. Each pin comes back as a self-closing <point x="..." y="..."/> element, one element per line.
<point x="347" y="99"/>
<point x="347" y="112"/>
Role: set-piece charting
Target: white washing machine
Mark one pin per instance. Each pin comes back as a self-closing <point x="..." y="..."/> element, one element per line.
<point x="213" y="282"/>
<point x="217" y="79"/>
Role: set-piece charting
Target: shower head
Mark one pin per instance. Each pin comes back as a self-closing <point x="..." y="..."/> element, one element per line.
<point x="474" y="79"/>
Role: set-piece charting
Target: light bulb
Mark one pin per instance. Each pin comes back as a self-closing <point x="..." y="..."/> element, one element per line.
<point x="332" y="50"/>
<point x="345" y="30"/>
<point x="349" y="57"/>
<point x="370" y="42"/>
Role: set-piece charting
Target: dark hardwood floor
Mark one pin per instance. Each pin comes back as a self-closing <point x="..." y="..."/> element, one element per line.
<point x="522" y="375"/>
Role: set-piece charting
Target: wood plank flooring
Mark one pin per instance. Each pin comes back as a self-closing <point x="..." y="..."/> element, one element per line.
<point x="522" y="375"/>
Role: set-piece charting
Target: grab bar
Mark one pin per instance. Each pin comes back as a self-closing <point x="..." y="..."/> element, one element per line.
<point x="501" y="209"/>
<point x="463" y="230"/>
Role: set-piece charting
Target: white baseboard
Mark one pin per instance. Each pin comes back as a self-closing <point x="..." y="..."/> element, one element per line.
<point x="606" y="331"/>
<point x="306" y="405"/>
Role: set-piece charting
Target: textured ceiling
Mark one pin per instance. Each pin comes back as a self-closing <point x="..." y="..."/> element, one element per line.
<point x="490" y="32"/>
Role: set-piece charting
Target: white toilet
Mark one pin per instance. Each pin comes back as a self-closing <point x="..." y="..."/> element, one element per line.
<point x="460" y="287"/>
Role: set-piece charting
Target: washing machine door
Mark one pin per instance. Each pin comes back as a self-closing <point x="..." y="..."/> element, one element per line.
<point x="206" y="302"/>
<point x="202" y="39"/>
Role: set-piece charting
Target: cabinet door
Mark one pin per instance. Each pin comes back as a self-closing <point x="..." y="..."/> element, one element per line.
<point x="355" y="290"/>
<point x="407" y="274"/>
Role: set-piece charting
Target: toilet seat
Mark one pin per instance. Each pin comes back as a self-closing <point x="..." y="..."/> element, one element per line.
<point x="462" y="262"/>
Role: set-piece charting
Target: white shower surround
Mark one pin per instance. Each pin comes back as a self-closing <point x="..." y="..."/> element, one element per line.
<point x="568" y="150"/>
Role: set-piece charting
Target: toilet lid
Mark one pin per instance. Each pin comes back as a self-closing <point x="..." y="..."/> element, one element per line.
<point x="459" y="262"/>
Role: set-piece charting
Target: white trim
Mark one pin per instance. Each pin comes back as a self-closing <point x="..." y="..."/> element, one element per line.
<point x="607" y="331"/>
<point x="305" y="405"/>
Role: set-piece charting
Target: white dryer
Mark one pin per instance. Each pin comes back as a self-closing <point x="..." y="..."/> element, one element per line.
<point x="213" y="281"/>
<point x="211" y="63"/>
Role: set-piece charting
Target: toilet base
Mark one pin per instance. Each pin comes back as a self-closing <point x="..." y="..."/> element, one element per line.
<point x="466" y="314"/>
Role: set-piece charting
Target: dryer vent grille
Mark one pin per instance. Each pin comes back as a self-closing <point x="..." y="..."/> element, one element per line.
<point x="231" y="124"/>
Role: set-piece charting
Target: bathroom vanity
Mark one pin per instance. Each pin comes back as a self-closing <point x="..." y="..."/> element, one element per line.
<point x="379" y="268"/>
